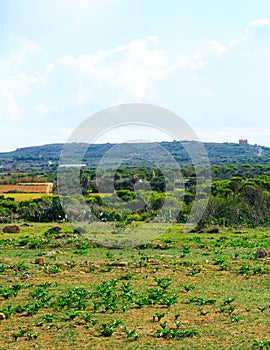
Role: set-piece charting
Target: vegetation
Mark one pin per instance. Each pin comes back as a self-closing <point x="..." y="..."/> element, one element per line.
<point x="198" y="290"/>
<point x="40" y="158"/>
<point x="59" y="284"/>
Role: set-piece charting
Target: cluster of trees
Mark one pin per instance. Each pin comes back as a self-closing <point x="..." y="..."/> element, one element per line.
<point x="239" y="201"/>
<point x="239" y="194"/>
<point x="45" y="209"/>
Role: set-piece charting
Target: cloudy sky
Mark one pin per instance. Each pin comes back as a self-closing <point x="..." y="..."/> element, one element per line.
<point x="63" y="60"/>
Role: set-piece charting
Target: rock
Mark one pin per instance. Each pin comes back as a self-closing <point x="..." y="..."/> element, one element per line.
<point x="56" y="228"/>
<point x="119" y="263"/>
<point x="52" y="253"/>
<point x="24" y="276"/>
<point x="25" y="224"/>
<point x="261" y="253"/>
<point x="2" y="316"/>
<point x="159" y="246"/>
<point x="11" y="229"/>
<point x="40" y="261"/>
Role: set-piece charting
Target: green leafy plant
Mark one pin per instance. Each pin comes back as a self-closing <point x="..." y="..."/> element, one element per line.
<point x="261" y="344"/>
<point x="7" y="311"/>
<point x="132" y="335"/>
<point x="107" y="329"/>
<point x="188" y="288"/>
<point x="22" y="332"/>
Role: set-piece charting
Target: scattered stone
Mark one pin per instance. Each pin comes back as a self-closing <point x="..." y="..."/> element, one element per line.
<point x="159" y="246"/>
<point x="261" y="253"/>
<point x="40" y="261"/>
<point x="52" y="253"/>
<point x="11" y="229"/>
<point x="119" y="263"/>
<point x="24" y="276"/>
<point x="2" y="316"/>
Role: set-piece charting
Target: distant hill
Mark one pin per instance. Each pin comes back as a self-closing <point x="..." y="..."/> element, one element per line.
<point x="47" y="156"/>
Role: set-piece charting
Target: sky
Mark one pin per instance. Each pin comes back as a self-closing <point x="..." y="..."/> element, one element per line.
<point x="61" y="61"/>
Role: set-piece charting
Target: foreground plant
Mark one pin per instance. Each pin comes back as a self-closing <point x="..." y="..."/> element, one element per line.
<point x="174" y="333"/>
<point x="261" y="344"/>
<point x="107" y="329"/>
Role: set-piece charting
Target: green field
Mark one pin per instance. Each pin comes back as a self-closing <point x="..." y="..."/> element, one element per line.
<point x="181" y="291"/>
<point x="23" y="196"/>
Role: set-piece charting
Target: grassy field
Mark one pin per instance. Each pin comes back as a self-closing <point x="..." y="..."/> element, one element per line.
<point x="23" y="196"/>
<point x="182" y="291"/>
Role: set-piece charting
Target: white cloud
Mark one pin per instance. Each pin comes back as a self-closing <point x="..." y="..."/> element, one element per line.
<point x="22" y="49"/>
<point x="133" y="70"/>
<point x="17" y="81"/>
<point x="217" y="47"/>
<point x="213" y="48"/>
<point x="260" y="22"/>
<point x="130" y="70"/>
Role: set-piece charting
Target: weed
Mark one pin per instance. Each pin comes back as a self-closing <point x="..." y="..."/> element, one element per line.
<point x="174" y="333"/>
<point x="49" y="318"/>
<point x="107" y="329"/>
<point x="7" y="311"/>
<point x="244" y="270"/>
<point x="195" y="270"/>
<point x="188" y="288"/>
<point x="21" y="333"/>
<point x="261" y="344"/>
<point x="131" y="335"/>
<point x="21" y="266"/>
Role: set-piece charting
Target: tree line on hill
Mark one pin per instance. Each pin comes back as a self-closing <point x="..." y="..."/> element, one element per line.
<point x="46" y="157"/>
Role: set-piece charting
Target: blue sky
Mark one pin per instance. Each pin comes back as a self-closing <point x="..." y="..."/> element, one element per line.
<point x="63" y="60"/>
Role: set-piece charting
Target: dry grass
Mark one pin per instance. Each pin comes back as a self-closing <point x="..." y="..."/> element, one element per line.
<point x="27" y="188"/>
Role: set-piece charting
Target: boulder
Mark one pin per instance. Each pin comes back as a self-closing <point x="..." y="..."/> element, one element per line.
<point x="261" y="253"/>
<point x="11" y="229"/>
<point x="56" y="228"/>
<point x="40" y="261"/>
